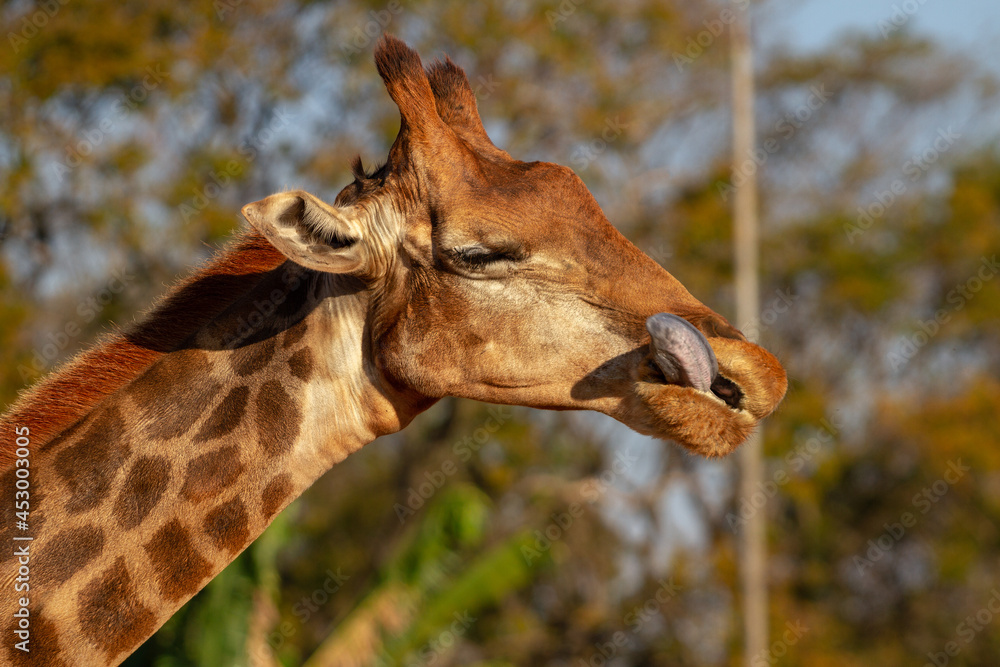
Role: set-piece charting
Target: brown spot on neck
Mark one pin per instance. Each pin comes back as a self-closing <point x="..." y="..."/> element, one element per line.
<point x="179" y="568"/>
<point x="276" y="495"/>
<point x="252" y="359"/>
<point x="226" y="526"/>
<point x="227" y="415"/>
<point x="207" y="475"/>
<point x="144" y="486"/>
<point x="44" y="644"/>
<point x="89" y="467"/>
<point x="66" y="554"/>
<point x="111" y="616"/>
<point x="301" y="364"/>
<point x="278" y="419"/>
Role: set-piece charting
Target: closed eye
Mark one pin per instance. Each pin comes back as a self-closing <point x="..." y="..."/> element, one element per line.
<point x="475" y="256"/>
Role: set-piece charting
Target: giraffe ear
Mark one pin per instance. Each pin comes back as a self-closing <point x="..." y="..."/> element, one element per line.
<point x="310" y="232"/>
<point x="456" y="105"/>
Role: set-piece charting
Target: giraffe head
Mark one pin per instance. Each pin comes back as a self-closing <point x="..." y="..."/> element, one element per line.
<point x="503" y="281"/>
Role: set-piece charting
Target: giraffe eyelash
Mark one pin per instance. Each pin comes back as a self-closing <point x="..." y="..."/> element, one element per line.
<point x="482" y="256"/>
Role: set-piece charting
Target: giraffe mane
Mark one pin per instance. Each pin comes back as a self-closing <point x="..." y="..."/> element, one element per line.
<point x="58" y="400"/>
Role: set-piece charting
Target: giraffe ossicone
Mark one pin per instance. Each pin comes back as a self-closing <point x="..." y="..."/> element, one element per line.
<point x="451" y="270"/>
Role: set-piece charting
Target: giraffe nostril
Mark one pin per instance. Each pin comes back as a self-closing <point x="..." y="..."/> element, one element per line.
<point x="728" y="391"/>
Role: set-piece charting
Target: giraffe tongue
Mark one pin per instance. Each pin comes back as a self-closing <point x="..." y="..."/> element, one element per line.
<point x="682" y="352"/>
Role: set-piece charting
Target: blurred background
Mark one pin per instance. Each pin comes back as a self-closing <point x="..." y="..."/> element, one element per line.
<point x="132" y="132"/>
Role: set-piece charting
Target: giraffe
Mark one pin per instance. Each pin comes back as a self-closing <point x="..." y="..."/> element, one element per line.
<point x="451" y="270"/>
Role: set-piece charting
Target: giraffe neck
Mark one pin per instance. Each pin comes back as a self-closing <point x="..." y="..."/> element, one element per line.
<point x="152" y="493"/>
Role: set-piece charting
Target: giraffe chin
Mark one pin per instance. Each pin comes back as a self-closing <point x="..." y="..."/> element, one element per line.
<point x="699" y="421"/>
<point x="749" y="386"/>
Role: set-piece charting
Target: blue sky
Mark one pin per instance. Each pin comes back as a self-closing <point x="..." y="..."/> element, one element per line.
<point x="972" y="26"/>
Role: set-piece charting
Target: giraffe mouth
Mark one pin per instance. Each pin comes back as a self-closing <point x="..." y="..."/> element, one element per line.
<point x="682" y="356"/>
<point x="708" y="408"/>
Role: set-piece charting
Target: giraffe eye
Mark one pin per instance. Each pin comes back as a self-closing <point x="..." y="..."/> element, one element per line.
<point x="474" y="256"/>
